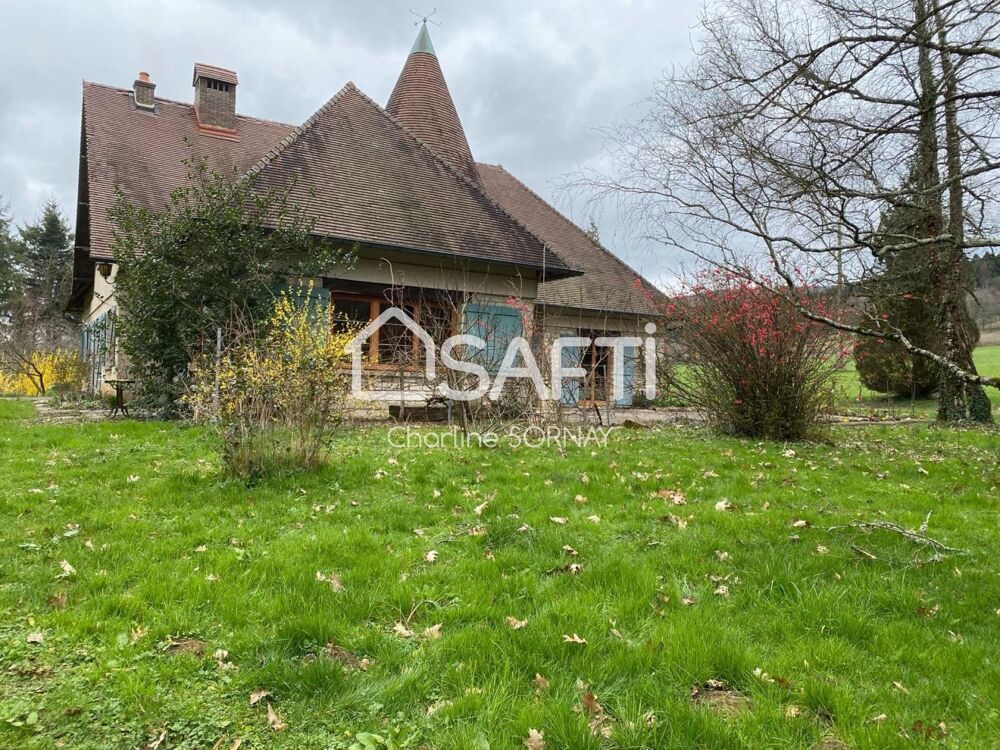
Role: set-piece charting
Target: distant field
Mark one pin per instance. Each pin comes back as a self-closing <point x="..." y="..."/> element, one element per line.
<point x="856" y="397"/>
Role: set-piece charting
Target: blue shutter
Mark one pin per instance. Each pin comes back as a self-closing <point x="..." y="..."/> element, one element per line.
<point x="571" y="356"/>
<point x="629" y="373"/>
<point x="497" y="325"/>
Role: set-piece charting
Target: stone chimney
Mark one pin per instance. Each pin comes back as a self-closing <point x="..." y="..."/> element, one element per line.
<point x="142" y="92"/>
<point x="215" y="97"/>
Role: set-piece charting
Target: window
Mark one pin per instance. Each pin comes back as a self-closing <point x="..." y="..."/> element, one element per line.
<point x="217" y="85"/>
<point x="393" y="344"/>
<point x="597" y="361"/>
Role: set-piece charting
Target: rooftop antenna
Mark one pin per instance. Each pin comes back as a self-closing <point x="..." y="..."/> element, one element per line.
<point x="425" y="19"/>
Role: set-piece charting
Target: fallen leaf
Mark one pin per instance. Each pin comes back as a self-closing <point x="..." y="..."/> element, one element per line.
<point x="516" y="624"/>
<point x="35" y="637"/>
<point x="580" y="499"/>
<point x="674" y="496"/>
<point x="594" y="519"/>
<point x="402" y="631"/>
<point x="722" y="590"/>
<point x="201" y="548"/>
<point x="569" y="550"/>
<point x="723" y="505"/>
<point x="687" y="601"/>
<point x="878" y="719"/>
<point x="67" y="569"/>
<point x="541" y="683"/>
<point x="558" y="519"/>
<point x="332" y="578"/>
<point x="154" y="744"/>
<point x="258" y="695"/>
<point x="434" y="631"/>
<point x="58" y="601"/>
<point x="535" y="740"/>
<point x="723" y="556"/>
<point x="273" y="720"/>
<point x="478" y="510"/>
<point x="821" y="550"/>
<point x="431" y="556"/>
<point x="800" y="524"/>
<point x="792" y="712"/>
<point x="574" y="639"/>
<point x="899" y="686"/>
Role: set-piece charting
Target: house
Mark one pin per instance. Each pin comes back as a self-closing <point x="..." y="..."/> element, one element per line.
<point x="458" y="244"/>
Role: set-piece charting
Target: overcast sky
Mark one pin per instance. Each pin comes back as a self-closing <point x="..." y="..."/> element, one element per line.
<point x="533" y="81"/>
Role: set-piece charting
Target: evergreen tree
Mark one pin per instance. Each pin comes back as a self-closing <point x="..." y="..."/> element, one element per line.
<point x="11" y="252"/>
<point x="47" y="266"/>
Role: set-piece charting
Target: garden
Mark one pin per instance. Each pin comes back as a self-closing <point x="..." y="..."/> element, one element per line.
<point x="675" y="589"/>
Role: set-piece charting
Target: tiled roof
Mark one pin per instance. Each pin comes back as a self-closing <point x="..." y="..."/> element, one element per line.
<point x="421" y="102"/>
<point x="608" y="284"/>
<point x="201" y="70"/>
<point x="365" y="177"/>
<point x="144" y="153"/>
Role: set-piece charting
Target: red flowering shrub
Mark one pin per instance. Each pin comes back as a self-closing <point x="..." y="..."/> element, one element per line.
<point x="753" y="365"/>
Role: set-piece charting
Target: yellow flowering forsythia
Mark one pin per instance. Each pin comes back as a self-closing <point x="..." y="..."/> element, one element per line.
<point x="277" y="392"/>
<point x="46" y="370"/>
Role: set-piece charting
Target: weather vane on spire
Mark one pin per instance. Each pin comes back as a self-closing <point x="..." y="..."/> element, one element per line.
<point x="424" y="19"/>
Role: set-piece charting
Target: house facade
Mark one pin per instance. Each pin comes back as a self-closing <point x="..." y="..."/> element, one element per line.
<point x="461" y="246"/>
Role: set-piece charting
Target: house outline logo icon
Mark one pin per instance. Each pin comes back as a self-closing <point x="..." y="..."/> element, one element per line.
<point x="356" y="345"/>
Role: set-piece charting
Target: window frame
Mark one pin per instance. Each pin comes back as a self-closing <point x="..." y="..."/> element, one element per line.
<point x="375" y="302"/>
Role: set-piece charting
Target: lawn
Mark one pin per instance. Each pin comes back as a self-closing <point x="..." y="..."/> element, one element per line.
<point x="853" y="397"/>
<point x="146" y="599"/>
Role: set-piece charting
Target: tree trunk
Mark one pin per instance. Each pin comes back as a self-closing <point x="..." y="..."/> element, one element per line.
<point x="959" y="400"/>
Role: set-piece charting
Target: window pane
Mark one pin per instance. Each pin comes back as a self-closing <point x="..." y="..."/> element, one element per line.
<point x="395" y="341"/>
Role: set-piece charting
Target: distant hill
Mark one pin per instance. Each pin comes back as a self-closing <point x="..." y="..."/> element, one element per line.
<point x="984" y="302"/>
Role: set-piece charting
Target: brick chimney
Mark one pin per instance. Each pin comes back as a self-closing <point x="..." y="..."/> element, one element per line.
<point x="215" y="97"/>
<point x="142" y="91"/>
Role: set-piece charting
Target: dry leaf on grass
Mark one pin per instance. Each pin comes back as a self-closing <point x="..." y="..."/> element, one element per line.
<point x="35" y="637"/>
<point x="723" y="505"/>
<point x="800" y="524"/>
<point x="719" y="696"/>
<point x="402" y="631"/>
<point x="569" y="550"/>
<point x="541" y="683"/>
<point x="535" y="740"/>
<point x="67" y="569"/>
<point x="434" y="631"/>
<point x="574" y="639"/>
<point x="258" y="695"/>
<point x="559" y="520"/>
<point x="516" y="624"/>
<point x="186" y="646"/>
<point x="431" y="556"/>
<point x="478" y="510"/>
<point x="274" y="721"/>
<point x="331" y="578"/>
<point x="155" y="743"/>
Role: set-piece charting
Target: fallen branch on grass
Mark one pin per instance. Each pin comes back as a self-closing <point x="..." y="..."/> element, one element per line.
<point x="918" y="537"/>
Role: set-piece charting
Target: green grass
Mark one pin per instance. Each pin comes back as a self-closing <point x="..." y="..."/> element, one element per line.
<point x="854" y="397"/>
<point x="164" y="548"/>
<point x="14" y="409"/>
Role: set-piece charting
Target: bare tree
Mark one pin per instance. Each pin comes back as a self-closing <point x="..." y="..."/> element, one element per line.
<point x="800" y="123"/>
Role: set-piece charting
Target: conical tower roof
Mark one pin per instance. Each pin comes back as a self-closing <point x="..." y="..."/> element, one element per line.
<point x="422" y="103"/>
